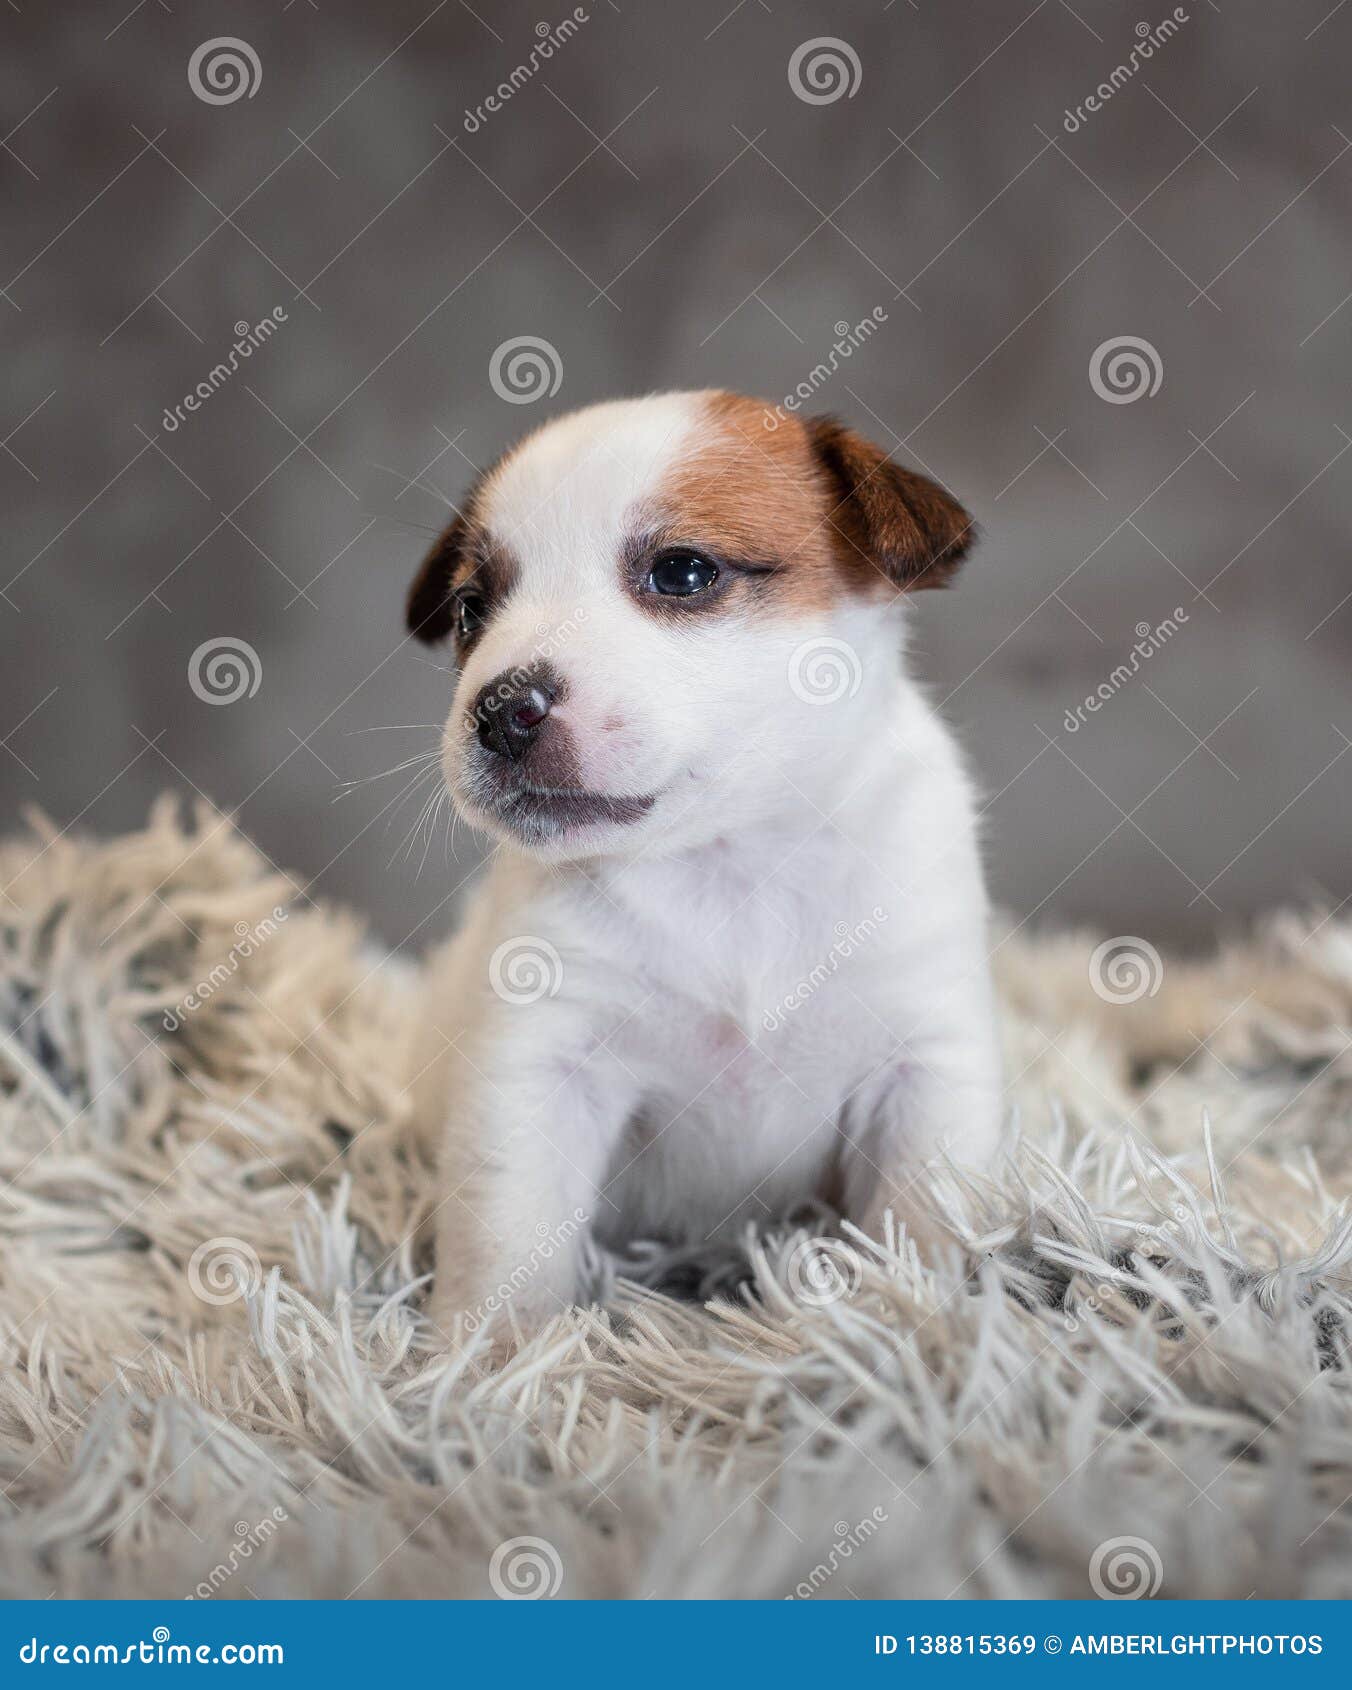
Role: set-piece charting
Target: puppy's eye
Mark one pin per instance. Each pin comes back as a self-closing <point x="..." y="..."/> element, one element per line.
<point x="469" y="614"/>
<point x="682" y="574"/>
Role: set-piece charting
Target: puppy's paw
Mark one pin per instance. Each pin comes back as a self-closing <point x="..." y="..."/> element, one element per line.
<point x="488" y="1344"/>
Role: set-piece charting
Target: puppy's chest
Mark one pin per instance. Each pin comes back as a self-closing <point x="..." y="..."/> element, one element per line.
<point x="767" y="1023"/>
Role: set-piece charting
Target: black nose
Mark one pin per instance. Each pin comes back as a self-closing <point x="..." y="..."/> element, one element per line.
<point x="508" y="713"/>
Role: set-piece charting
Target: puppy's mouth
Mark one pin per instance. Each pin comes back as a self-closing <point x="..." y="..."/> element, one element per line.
<point x="535" y="812"/>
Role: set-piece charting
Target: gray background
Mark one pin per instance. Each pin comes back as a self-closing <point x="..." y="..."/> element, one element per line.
<point x="663" y="157"/>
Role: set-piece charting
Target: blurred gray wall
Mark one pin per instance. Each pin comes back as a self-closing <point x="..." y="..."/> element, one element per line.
<point x="662" y="208"/>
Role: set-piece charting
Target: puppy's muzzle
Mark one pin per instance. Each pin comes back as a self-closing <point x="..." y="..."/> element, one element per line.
<point x="510" y="711"/>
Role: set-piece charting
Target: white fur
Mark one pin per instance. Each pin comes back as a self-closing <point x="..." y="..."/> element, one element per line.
<point x="772" y="984"/>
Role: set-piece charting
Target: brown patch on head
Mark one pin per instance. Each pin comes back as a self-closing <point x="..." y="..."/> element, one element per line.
<point x="815" y="502"/>
<point x="752" y="493"/>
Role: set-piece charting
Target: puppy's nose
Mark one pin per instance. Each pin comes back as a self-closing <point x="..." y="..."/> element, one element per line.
<point x="508" y="713"/>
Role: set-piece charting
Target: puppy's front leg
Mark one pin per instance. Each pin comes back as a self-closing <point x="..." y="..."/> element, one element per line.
<point x="939" y="1099"/>
<point x="534" y="1116"/>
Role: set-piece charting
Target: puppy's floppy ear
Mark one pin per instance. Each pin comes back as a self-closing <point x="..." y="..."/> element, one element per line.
<point x="431" y="609"/>
<point x="902" y="524"/>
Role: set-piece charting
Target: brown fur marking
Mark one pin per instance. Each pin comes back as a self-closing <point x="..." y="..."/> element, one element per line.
<point x="888" y="518"/>
<point x="830" y="510"/>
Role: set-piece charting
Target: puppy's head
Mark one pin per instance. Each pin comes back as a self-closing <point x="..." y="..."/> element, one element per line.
<point x="651" y="601"/>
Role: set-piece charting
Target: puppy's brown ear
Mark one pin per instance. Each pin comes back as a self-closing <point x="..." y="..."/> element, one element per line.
<point x="887" y="520"/>
<point x="431" y="609"/>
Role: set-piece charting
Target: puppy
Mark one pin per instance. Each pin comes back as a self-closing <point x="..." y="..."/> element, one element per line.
<point x="729" y="949"/>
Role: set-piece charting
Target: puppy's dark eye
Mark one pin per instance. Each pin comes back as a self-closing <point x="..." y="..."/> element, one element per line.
<point x="469" y="614"/>
<point x="682" y="574"/>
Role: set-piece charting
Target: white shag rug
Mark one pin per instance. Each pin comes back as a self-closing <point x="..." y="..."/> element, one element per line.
<point x="1131" y="1376"/>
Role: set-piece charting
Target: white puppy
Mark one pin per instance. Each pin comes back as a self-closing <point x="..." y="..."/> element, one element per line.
<point x="729" y="951"/>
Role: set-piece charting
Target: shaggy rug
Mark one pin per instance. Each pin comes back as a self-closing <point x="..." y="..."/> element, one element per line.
<point x="1129" y="1375"/>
